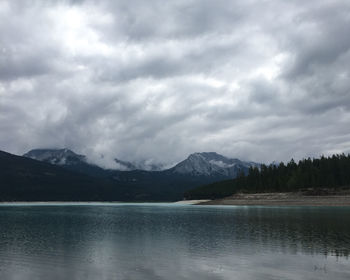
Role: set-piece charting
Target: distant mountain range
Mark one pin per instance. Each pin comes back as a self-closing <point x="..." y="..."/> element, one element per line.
<point x="56" y="156"/>
<point x="66" y="157"/>
<point x="25" y="179"/>
<point x="75" y="178"/>
<point x="197" y="164"/>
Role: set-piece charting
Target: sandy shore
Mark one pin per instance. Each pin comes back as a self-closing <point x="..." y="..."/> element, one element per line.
<point x="282" y="199"/>
<point x="190" y="202"/>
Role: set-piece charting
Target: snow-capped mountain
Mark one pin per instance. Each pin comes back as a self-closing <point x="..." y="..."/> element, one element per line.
<point x="197" y="164"/>
<point x="212" y="164"/>
<point x="68" y="158"/>
<point x="56" y="156"/>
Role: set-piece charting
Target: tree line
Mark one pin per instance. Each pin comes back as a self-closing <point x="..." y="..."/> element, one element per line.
<point x="308" y="174"/>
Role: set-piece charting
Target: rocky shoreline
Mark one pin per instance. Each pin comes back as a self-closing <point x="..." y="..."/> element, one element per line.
<point x="284" y="199"/>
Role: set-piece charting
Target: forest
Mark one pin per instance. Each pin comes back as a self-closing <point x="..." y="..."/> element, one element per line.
<point x="308" y="175"/>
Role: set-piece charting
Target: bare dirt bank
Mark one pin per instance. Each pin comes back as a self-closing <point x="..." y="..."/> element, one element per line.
<point x="283" y="199"/>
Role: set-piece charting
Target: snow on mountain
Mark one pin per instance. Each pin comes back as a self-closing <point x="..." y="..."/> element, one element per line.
<point x="207" y="164"/>
<point x="67" y="157"/>
<point x="212" y="164"/>
<point x="56" y="156"/>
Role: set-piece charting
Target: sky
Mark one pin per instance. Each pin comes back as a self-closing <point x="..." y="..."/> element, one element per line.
<point x="258" y="80"/>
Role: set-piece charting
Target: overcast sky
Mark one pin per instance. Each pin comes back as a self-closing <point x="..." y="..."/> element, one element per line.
<point x="259" y="80"/>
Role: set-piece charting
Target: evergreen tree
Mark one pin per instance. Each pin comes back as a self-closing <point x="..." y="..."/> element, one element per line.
<point x="325" y="172"/>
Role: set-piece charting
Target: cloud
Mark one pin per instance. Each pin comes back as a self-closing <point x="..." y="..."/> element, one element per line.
<point x="156" y="81"/>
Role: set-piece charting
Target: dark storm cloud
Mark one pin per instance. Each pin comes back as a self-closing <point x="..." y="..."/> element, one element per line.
<point x="326" y="40"/>
<point x="258" y="80"/>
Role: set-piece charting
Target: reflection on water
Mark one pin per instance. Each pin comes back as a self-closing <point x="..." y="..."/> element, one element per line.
<point x="174" y="242"/>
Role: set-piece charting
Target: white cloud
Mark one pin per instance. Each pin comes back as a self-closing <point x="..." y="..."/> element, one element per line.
<point x="152" y="80"/>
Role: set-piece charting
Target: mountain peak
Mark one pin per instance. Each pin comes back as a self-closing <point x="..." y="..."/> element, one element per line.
<point x="212" y="164"/>
<point x="209" y="156"/>
<point x="55" y="156"/>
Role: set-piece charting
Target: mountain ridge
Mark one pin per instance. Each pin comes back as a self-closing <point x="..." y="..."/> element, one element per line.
<point x="68" y="159"/>
<point x="212" y="163"/>
<point x="26" y="179"/>
<point x="55" y="156"/>
<point x="107" y="184"/>
<point x="196" y="164"/>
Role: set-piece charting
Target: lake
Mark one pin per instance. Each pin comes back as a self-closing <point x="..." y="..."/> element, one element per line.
<point x="170" y="241"/>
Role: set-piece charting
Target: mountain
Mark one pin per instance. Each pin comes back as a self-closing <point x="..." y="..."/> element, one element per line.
<point x="67" y="159"/>
<point x="56" y="156"/>
<point x="317" y="176"/>
<point x="25" y="179"/>
<point x="148" y="185"/>
<point x="212" y="164"/>
<point x="71" y="160"/>
<point x="198" y="164"/>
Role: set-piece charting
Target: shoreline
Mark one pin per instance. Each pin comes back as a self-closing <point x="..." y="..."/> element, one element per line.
<point x="281" y="199"/>
<point x="103" y="203"/>
<point x="72" y="203"/>
<point x="256" y="199"/>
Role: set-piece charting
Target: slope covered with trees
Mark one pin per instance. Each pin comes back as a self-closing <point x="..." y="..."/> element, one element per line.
<point x="325" y="172"/>
<point x="26" y="179"/>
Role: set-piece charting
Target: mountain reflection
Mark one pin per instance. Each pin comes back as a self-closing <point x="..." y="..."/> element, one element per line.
<point x="166" y="242"/>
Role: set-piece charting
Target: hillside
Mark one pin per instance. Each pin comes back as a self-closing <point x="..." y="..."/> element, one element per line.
<point x="24" y="179"/>
<point x="61" y="174"/>
<point x="212" y="164"/>
<point x="144" y="185"/>
<point x="314" y="174"/>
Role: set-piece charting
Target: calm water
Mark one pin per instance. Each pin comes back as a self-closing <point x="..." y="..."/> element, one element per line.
<point x="173" y="242"/>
